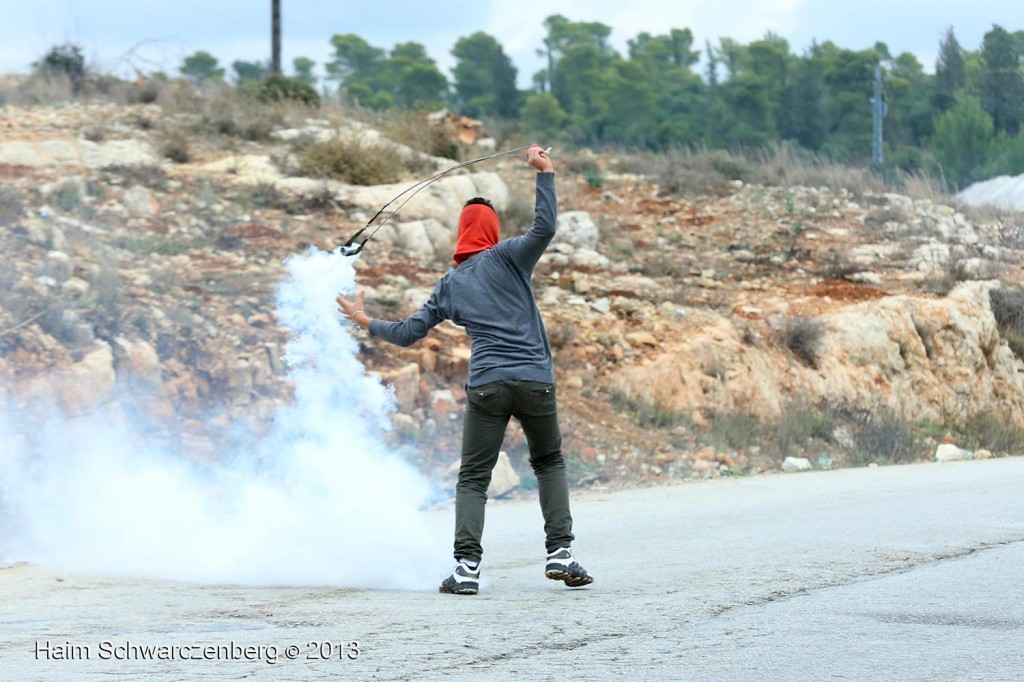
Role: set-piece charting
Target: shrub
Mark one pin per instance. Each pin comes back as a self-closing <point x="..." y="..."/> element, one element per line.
<point x="519" y="212"/>
<point x="802" y="336"/>
<point x="351" y="161"/>
<point x="946" y="279"/>
<point x="11" y="208"/>
<point x="883" y="435"/>
<point x="735" y="431"/>
<point x="277" y="88"/>
<point x="176" y="147"/>
<point x="68" y="196"/>
<point x="562" y="334"/>
<point x="1008" y="309"/>
<point x="688" y="173"/>
<point x="646" y="414"/>
<point x="65" y="60"/>
<point x="410" y="129"/>
<point x="797" y="426"/>
<point x="265" y="195"/>
<point x="151" y="176"/>
<point x="226" y="111"/>
<point x="986" y="430"/>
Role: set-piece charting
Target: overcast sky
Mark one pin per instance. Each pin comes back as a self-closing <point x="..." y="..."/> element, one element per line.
<point x="118" y="35"/>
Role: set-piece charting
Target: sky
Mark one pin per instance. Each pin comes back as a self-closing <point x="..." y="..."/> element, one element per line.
<point x="129" y="36"/>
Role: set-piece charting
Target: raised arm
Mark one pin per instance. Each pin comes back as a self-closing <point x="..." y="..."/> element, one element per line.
<point x="527" y="249"/>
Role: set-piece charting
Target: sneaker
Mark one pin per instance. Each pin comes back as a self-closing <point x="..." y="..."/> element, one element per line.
<point x="463" y="580"/>
<point x="562" y="566"/>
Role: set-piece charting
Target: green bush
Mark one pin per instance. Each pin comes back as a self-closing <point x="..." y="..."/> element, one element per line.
<point x="278" y="88"/>
<point x="351" y="161"/>
<point x="66" y="60"/>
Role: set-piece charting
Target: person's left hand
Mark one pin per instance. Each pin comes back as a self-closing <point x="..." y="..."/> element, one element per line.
<point x="538" y="158"/>
<point x="350" y="307"/>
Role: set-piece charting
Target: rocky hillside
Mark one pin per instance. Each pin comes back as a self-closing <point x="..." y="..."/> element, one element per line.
<point x="694" y="337"/>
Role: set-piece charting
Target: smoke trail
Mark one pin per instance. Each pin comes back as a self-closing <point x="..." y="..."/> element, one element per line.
<point x="318" y="501"/>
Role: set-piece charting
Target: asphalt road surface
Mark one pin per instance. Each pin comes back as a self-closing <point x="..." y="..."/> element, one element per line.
<point x="892" y="573"/>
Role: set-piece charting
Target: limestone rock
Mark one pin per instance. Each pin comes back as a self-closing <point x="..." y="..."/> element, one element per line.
<point x="140" y="202"/>
<point x="424" y="239"/>
<point x="577" y="228"/>
<point x="406" y="382"/>
<point x="76" y="152"/>
<point x="504" y="478"/>
<point x="251" y="169"/>
<point x="87" y="384"/>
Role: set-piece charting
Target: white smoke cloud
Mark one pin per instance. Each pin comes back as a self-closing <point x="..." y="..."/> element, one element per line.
<point x="320" y="500"/>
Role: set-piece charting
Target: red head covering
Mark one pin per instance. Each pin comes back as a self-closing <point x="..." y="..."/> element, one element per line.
<point x="478" y="231"/>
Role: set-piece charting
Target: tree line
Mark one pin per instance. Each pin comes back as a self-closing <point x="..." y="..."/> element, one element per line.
<point x="963" y="122"/>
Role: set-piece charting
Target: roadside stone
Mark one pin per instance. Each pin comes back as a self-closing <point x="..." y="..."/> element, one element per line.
<point x="948" y="452"/>
<point x="793" y="464"/>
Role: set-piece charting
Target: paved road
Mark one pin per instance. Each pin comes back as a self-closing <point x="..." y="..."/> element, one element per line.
<point x="908" y="573"/>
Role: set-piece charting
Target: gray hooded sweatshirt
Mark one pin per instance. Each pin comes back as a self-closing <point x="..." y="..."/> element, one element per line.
<point x="491" y="296"/>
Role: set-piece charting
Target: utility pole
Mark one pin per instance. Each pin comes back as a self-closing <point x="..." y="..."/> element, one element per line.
<point x="275" y="37"/>
<point x="878" y="110"/>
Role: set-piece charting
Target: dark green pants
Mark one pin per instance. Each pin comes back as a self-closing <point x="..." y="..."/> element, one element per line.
<point x="488" y="410"/>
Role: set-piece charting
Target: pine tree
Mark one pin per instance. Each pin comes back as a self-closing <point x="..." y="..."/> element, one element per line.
<point x="1002" y="84"/>
<point x="950" y="72"/>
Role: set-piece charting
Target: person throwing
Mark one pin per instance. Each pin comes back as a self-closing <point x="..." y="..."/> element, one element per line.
<point x="489" y="293"/>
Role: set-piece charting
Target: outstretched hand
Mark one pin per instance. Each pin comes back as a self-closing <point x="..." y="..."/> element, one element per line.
<point x="349" y="308"/>
<point x="538" y="158"/>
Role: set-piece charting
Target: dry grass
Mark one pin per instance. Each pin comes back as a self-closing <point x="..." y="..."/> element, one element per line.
<point x="220" y="110"/>
<point x="713" y="172"/>
<point x="50" y="88"/>
<point x="688" y="173"/>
